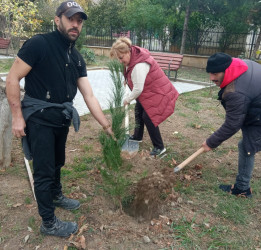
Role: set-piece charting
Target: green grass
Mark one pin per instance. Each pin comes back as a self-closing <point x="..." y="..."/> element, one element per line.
<point x="5" y="65"/>
<point x="193" y="74"/>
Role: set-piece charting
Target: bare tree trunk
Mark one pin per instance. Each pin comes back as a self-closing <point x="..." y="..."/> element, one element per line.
<point x="185" y="28"/>
<point x="257" y="43"/>
<point x="5" y="130"/>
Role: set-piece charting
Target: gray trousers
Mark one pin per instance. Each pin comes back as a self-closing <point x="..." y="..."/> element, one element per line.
<point x="245" y="167"/>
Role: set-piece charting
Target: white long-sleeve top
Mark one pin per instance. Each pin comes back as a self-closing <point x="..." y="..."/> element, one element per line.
<point x="138" y="77"/>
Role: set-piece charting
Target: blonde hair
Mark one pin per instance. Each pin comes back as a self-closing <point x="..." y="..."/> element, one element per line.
<point x="121" y="45"/>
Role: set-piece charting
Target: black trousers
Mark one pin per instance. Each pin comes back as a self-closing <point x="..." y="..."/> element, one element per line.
<point x="47" y="145"/>
<point x="142" y="118"/>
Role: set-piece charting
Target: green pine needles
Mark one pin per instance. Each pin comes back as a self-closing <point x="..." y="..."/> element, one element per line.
<point x="115" y="184"/>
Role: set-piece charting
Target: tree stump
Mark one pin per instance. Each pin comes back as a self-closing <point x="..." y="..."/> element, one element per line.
<point x="5" y="129"/>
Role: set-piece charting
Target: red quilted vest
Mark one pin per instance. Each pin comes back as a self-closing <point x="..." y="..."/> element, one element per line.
<point x="159" y="96"/>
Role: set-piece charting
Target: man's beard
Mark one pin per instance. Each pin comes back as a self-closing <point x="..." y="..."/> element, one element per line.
<point x="65" y="33"/>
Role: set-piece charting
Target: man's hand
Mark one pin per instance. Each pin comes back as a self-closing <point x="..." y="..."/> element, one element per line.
<point x="206" y="147"/>
<point x="108" y="131"/>
<point x="18" y="126"/>
<point x="125" y="103"/>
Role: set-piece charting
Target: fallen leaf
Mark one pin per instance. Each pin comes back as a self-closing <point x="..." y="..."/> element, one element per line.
<point x="29" y="205"/>
<point x="30" y="229"/>
<point x="198" y="166"/>
<point x="174" y="161"/>
<point x="207" y="225"/>
<point x="82" y="229"/>
<point x="26" y="238"/>
<point x="17" y="205"/>
<point x="79" y="242"/>
<point x="187" y="177"/>
<point x="165" y="219"/>
<point x="71" y="237"/>
<point x="81" y="220"/>
<point x="72" y="150"/>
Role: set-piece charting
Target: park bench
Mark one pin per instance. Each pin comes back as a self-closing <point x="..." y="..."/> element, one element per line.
<point x="168" y="61"/>
<point x="4" y="44"/>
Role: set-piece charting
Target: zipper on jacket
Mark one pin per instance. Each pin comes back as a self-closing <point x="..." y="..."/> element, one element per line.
<point x="69" y="52"/>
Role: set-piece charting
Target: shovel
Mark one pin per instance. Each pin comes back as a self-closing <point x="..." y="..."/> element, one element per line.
<point x="130" y="147"/>
<point x="188" y="160"/>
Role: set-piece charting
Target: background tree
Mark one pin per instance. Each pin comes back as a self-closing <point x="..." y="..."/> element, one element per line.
<point x="143" y="16"/>
<point x="232" y="19"/>
<point x="20" y="18"/>
<point x="106" y="14"/>
<point x="255" y="20"/>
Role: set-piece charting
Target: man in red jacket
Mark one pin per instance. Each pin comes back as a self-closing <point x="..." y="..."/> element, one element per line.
<point x="240" y="95"/>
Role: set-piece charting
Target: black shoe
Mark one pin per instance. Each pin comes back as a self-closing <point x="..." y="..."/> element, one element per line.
<point x="66" y="203"/>
<point x="157" y="151"/>
<point x="59" y="228"/>
<point x="133" y="138"/>
<point x="232" y="189"/>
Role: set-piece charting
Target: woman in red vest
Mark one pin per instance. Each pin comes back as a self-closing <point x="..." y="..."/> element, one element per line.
<point x="155" y="95"/>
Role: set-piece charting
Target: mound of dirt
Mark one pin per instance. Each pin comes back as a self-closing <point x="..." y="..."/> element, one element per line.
<point x="150" y="193"/>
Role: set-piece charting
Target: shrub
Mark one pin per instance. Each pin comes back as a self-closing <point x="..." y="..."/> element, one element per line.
<point x="88" y="54"/>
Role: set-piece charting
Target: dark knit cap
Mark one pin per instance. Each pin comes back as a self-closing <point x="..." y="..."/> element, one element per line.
<point x="218" y="62"/>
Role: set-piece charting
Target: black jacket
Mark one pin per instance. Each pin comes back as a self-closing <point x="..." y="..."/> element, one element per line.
<point x="242" y="102"/>
<point x="56" y="67"/>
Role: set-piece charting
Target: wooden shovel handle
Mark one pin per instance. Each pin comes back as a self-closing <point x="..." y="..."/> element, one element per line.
<point x="188" y="160"/>
<point x="30" y="175"/>
<point x="127" y="120"/>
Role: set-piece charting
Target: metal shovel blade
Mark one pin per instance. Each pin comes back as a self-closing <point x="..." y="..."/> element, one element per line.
<point x="130" y="146"/>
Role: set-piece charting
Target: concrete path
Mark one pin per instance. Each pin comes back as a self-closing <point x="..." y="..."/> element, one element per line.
<point x="102" y="86"/>
<point x="5" y="57"/>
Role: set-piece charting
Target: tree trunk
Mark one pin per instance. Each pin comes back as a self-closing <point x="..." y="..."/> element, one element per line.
<point x="185" y="28"/>
<point x="5" y="130"/>
<point x="257" y="43"/>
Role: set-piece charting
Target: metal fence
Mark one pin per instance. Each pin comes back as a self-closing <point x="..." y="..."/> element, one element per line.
<point x="198" y="42"/>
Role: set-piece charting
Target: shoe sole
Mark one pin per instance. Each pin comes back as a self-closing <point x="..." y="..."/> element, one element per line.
<point x="69" y="209"/>
<point x="63" y="235"/>
<point x="162" y="152"/>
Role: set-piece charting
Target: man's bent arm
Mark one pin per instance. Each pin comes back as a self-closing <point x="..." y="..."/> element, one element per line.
<point x="18" y="70"/>
<point x="92" y="103"/>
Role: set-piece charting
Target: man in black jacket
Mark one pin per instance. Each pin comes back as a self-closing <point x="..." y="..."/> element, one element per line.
<point x="53" y="70"/>
<point x="240" y="95"/>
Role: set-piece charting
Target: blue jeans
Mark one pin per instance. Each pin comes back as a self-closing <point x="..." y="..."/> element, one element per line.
<point x="245" y="167"/>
